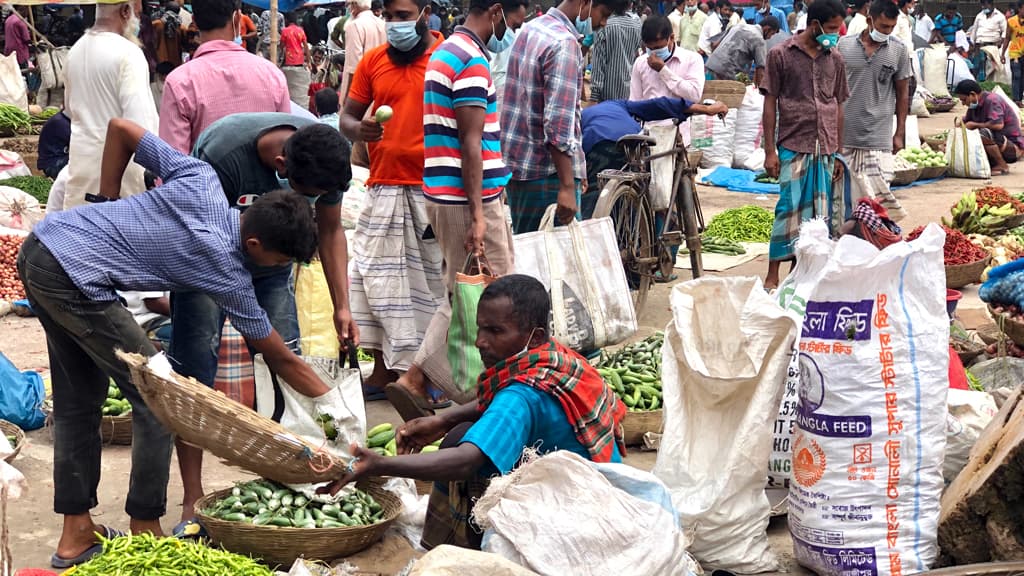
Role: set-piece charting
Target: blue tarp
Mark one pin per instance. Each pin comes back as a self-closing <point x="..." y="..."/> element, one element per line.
<point x="282" y="5"/>
<point x="738" y="180"/>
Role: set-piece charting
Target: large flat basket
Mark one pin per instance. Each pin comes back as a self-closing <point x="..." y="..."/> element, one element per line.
<point x="210" y="420"/>
<point x="730" y="92"/>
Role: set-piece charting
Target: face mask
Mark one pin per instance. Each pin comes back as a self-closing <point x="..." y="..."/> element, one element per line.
<point x="972" y="105"/>
<point x="495" y="45"/>
<point x="662" y="53"/>
<point x="584" y="27"/>
<point x="987" y="11"/>
<point x="878" y="36"/>
<point x="403" y="35"/>
<point x="765" y="10"/>
<point x="282" y="183"/>
<point x="527" y="347"/>
<point x="691" y="9"/>
<point x="827" y="41"/>
<point x="238" y="40"/>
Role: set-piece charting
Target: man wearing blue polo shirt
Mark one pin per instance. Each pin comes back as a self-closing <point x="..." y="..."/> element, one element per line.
<point x="947" y="24"/>
<point x="764" y="9"/>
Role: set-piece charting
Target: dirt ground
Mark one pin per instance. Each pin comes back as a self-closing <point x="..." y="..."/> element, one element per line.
<point x="36" y="528"/>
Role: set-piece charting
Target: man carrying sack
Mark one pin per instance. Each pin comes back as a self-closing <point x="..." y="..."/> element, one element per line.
<point x="179" y="236"/>
<point x="534" y="393"/>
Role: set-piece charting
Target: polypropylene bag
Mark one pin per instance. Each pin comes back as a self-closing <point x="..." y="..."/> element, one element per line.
<point x="315" y="311"/>
<point x="870" y="435"/>
<point x="970" y="411"/>
<point x="463" y="355"/>
<point x="723" y="368"/>
<point x="18" y="209"/>
<point x="714" y="137"/>
<point x="965" y="154"/>
<point x="934" y="70"/>
<point x="579" y="264"/>
<point x="300" y="414"/>
<point x="21" y="396"/>
<point x="13" y="89"/>
<point x="563" y="517"/>
<point x="749" y="132"/>
<point x="448" y="560"/>
<point x="51" y="61"/>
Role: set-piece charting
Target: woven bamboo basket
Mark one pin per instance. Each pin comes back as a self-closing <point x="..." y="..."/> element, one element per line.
<point x="1014" y="329"/>
<point x="729" y="92"/>
<point x="636" y="424"/>
<point x="989" y="333"/>
<point x="210" y="420"/>
<point x="936" y="144"/>
<point x="116" y="429"/>
<point x="904" y="177"/>
<point x="961" y="275"/>
<point x="278" y="545"/>
<point x="930" y="172"/>
<point x="11" y="429"/>
<point x="935" y="107"/>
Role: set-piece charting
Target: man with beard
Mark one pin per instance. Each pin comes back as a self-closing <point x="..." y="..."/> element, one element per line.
<point x="107" y="77"/>
<point x="396" y="269"/>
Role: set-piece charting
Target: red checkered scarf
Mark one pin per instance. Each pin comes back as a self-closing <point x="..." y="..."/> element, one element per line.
<point x="590" y="405"/>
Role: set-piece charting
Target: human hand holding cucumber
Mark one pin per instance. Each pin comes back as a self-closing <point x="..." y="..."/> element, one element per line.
<point x="372" y="129"/>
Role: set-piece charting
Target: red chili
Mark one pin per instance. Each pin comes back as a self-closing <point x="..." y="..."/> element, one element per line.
<point x="958" y="249"/>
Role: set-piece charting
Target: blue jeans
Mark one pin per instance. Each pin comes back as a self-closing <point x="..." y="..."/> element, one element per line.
<point x="198" y="322"/>
<point x="1017" y="70"/>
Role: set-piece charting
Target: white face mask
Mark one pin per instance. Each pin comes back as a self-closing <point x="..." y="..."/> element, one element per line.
<point x="878" y="36"/>
<point x="526" y="348"/>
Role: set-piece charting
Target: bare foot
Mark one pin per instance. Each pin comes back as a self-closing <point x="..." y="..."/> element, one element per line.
<point x="414" y="381"/>
<point x="188" y="512"/>
<point x="151" y="526"/>
<point x="381" y="376"/>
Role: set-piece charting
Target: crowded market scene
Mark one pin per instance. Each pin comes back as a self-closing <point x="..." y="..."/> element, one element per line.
<point x="499" y="287"/>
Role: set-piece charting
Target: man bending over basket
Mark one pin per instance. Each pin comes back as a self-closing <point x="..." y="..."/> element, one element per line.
<point x="179" y="236"/>
<point x="534" y="393"/>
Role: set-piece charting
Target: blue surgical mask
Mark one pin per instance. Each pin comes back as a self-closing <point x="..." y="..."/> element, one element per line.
<point x="690" y="9"/>
<point x="238" y="40"/>
<point x="584" y="27"/>
<point x="403" y="35"/>
<point x="987" y="11"/>
<point x="283" y="183"/>
<point x="495" y="45"/>
<point x="662" y="53"/>
<point x="972" y="105"/>
<point x="827" y="41"/>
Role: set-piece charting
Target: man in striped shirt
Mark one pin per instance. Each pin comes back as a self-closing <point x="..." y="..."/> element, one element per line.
<point x="616" y="46"/>
<point x="463" y="177"/>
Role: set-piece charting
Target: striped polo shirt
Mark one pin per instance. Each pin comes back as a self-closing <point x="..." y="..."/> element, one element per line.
<point x="459" y="74"/>
<point x="872" y="82"/>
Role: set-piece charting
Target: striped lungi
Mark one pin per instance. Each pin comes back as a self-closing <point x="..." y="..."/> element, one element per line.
<point x="529" y="199"/>
<point x="872" y="170"/>
<point x="805" y="192"/>
<point x="395" y="274"/>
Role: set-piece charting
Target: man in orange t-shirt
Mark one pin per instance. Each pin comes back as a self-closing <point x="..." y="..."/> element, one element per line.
<point x="247" y="30"/>
<point x="396" y="267"/>
<point x="1014" y="43"/>
<point x="296" y="58"/>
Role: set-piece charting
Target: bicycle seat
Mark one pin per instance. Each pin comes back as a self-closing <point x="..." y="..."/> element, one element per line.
<point x="636" y="140"/>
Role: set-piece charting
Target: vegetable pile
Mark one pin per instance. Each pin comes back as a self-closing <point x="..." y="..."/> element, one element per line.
<point x="634" y="372"/>
<point x="14" y="119"/>
<point x="922" y="157"/>
<point x="115" y="404"/>
<point x="266" y="503"/>
<point x="745" y="224"/>
<point x="715" y="245"/>
<point x="10" y="284"/>
<point x="381" y="439"/>
<point x="12" y="440"/>
<point x="145" y="554"/>
<point x="957" y="250"/>
<point x="37" y="186"/>
<point x="764" y="178"/>
<point x="996" y="197"/>
<point x="972" y="217"/>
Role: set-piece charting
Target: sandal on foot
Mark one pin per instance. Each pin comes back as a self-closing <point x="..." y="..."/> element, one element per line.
<point x="437" y="398"/>
<point x="661" y="279"/>
<point x="373" y="394"/>
<point x="190" y="528"/>
<point x="408" y="405"/>
<point x="62" y="563"/>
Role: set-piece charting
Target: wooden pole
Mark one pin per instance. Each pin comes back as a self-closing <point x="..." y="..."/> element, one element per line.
<point x="32" y="25"/>
<point x="273" y="31"/>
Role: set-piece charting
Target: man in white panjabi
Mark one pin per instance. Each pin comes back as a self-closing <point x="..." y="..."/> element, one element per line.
<point x="107" y="77"/>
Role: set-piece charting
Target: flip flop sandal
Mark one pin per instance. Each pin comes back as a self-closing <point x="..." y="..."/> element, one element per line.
<point x="373" y="394"/>
<point x="63" y="563"/>
<point x="190" y="528"/>
<point x="660" y="279"/>
<point x="436" y="402"/>
<point x="408" y="405"/>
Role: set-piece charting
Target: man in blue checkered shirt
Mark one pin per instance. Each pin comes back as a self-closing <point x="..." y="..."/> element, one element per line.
<point x="179" y="236"/>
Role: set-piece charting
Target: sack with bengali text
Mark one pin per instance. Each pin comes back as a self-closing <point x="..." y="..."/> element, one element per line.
<point x="871" y="417"/>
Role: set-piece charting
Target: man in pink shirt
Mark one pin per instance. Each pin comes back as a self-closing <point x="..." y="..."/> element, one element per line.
<point x="363" y="32"/>
<point x="16" y="35"/>
<point x="221" y="79"/>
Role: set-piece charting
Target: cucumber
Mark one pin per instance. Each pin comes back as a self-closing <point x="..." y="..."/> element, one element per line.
<point x="274" y="504"/>
<point x="348" y="508"/>
<point x="235" y="517"/>
<point x="330" y="524"/>
<point x="287" y="500"/>
<point x="252" y="508"/>
<point x="385" y="427"/>
<point x="279" y="521"/>
<point x="261" y="519"/>
<point x="428" y="449"/>
<point x="318" y="514"/>
<point x="380" y="439"/>
<point x="236" y="491"/>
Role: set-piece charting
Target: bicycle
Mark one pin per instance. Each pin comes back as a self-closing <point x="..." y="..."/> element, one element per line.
<point x="625" y="197"/>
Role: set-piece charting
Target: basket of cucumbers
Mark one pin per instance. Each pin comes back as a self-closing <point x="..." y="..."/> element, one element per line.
<point x="15" y="437"/>
<point x="266" y="520"/>
<point x="116" y="424"/>
<point x="634" y="372"/>
<point x="381" y="439"/>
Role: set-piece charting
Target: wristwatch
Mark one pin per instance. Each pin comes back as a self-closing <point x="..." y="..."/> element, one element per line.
<point x="97" y="198"/>
<point x="708" y="102"/>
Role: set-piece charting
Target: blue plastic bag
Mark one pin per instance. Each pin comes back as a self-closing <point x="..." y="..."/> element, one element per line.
<point x="21" y="396"/>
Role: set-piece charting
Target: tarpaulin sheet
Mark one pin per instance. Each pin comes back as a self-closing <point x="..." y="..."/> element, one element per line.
<point x="738" y="180"/>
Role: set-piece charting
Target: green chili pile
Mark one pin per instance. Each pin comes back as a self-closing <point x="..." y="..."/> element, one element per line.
<point x="745" y="224"/>
<point x="146" y="555"/>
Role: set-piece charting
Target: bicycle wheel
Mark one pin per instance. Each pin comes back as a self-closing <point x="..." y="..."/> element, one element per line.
<point x="687" y="206"/>
<point x="634" y="227"/>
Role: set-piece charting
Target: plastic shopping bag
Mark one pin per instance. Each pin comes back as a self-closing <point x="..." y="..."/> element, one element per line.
<point x="306" y="417"/>
<point x="721" y="388"/>
<point x="21" y="396"/>
<point x="463" y="354"/>
<point x="965" y="154"/>
<point x="580" y="266"/>
<point x="315" y="310"/>
<point x="871" y="418"/>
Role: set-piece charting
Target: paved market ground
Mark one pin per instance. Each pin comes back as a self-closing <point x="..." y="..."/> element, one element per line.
<point x="36" y="529"/>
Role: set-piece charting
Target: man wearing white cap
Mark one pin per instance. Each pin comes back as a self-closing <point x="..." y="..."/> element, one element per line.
<point x="107" y="77"/>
